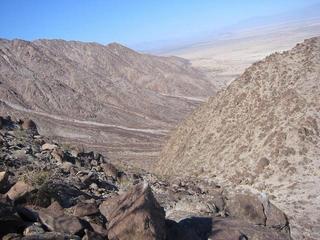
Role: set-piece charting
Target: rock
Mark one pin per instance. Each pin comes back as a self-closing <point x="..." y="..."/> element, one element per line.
<point x="33" y="229"/>
<point x="27" y="213"/>
<point x="89" y="178"/>
<point x="276" y="218"/>
<point x="110" y="170"/>
<point x="66" y="166"/>
<point x="99" y="229"/>
<point x="52" y="236"/>
<point x="30" y="125"/>
<point x="57" y="155"/>
<point x="56" y="209"/>
<point x="65" y="194"/>
<point x="134" y="215"/>
<point x="262" y="164"/>
<point x="6" y="122"/>
<point x="228" y="234"/>
<point x="74" y="153"/>
<point x="85" y="209"/>
<point x="48" y="146"/>
<point x="197" y="228"/>
<point x="12" y="236"/>
<point x="3" y="182"/>
<point x="3" y="177"/>
<point x="246" y="207"/>
<point x="6" y="211"/>
<point x="1" y="122"/>
<point x="174" y="231"/>
<point x="92" y="236"/>
<point x="10" y="222"/>
<point x="19" y="191"/>
<point x="93" y="186"/>
<point x="218" y="202"/>
<point x="60" y="223"/>
<point x="234" y="229"/>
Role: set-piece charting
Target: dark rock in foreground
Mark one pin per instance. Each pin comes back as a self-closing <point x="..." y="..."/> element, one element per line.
<point x="135" y="215"/>
<point x="49" y="192"/>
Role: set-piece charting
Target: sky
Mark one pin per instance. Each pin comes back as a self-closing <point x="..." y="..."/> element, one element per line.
<point x="130" y="22"/>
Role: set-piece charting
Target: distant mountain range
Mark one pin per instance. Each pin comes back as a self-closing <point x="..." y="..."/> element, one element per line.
<point x="99" y="94"/>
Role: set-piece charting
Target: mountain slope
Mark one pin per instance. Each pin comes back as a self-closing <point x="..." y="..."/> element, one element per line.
<point x="261" y="133"/>
<point x="110" y="85"/>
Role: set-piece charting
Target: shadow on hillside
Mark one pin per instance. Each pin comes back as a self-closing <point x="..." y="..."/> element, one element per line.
<point x="194" y="228"/>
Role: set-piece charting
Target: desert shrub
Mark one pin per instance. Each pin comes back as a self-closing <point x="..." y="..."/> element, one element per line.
<point x="36" y="178"/>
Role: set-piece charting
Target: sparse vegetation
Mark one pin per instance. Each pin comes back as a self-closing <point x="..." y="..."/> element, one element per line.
<point x="37" y="178"/>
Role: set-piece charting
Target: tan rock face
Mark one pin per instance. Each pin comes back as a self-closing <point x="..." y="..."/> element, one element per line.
<point x="270" y="112"/>
<point x="134" y="215"/>
<point x="19" y="190"/>
<point x="48" y="146"/>
<point x="247" y="208"/>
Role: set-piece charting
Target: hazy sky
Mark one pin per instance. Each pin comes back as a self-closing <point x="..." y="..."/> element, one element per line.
<point x="130" y="22"/>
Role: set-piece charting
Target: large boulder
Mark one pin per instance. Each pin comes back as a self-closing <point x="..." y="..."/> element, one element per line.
<point x="83" y="209"/>
<point x="55" y="220"/>
<point x="65" y="194"/>
<point x="257" y="210"/>
<point x="234" y="229"/>
<point x="246" y="207"/>
<point x="220" y="228"/>
<point x="134" y="215"/>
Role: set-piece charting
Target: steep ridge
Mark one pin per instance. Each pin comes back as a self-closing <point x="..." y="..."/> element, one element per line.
<point x="261" y="133"/>
<point x="111" y="85"/>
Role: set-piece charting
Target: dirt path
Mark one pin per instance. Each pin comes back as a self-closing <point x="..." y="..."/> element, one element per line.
<point x="91" y="123"/>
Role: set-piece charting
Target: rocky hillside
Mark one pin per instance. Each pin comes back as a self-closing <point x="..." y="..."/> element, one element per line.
<point x="261" y="133"/>
<point x="53" y="191"/>
<point x="120" y="98"/>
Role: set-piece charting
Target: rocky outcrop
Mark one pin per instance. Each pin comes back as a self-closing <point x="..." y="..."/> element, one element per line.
<point x="94" y="199"/>
<point x="135" y="215"/>
<point x="19" y="190"/>
<point x="60" y="222"/>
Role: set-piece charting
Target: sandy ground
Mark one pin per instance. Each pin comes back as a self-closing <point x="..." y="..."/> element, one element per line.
<point x="225" y="59"/>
